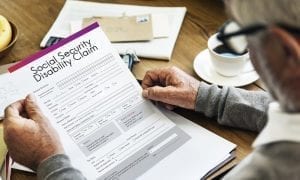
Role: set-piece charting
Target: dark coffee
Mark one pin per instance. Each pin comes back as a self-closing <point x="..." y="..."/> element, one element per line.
<point x="224" y="51"/>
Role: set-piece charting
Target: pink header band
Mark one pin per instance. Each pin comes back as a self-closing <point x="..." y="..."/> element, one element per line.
<point x="43" y="52"/>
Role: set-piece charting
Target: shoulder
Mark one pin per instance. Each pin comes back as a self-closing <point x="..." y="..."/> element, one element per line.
<point x="279" y="160"/>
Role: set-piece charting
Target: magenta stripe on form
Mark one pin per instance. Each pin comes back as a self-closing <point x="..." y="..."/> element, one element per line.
<point x="52" y="48"/>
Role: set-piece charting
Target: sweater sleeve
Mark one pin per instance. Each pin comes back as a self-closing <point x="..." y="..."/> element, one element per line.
<point x="233" y="106"/>
<point x="58" y="167"/>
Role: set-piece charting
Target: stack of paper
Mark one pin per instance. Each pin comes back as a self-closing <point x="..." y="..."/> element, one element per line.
<point x="204" y="151"/>
<point x="160" y="48"/>
<point x="6" y="168"/>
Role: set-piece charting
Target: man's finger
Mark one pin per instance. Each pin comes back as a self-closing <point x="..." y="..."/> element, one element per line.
<point x="156" y="77"/>
<point x="150" y="79"/>
<point x="15" y="109"/>
<point x="13" y="115"/>
<point x="170" y="107"/>
<point x="32" y="109"/>
<point x="162" y="94"/>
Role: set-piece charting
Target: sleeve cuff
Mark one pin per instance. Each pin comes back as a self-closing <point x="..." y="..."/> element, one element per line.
<point x="52" y="164"/>
<point x="202" y="91"/>
<point x="209" y="98"/>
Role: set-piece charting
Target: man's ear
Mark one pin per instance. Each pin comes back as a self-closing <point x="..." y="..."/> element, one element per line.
<point x="290" y="43"/>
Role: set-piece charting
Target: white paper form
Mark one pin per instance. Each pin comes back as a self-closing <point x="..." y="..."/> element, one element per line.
<point x="8" y="92"/>
<point x="95" y="104"/>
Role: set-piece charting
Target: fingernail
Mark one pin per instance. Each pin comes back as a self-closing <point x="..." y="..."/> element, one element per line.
<point x="169" y="107"/>
<point x="145" y="93"/>
<point x="31" y="97"/>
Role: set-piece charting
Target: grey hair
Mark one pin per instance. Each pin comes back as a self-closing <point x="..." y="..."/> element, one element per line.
<point x="249" y="12"/>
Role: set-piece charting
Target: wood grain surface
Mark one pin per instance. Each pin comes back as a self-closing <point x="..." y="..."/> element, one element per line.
<point x="34" y="17"/>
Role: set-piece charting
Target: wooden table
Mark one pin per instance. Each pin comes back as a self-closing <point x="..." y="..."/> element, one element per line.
<point x="35" y="17"/>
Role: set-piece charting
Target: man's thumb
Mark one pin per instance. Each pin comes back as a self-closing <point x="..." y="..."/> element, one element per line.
<point x="32" y="109"/>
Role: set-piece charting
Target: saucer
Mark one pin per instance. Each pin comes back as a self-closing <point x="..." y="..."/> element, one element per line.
<point x="205" y="70"/>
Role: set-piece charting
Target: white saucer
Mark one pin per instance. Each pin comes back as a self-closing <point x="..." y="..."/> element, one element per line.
<point x="204" y="69"/>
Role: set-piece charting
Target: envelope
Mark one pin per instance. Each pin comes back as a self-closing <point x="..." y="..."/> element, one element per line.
<point x="124" y="28"/>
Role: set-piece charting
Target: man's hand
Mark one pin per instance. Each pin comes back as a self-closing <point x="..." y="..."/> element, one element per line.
<point x="29" y="137"/>
<point x="172" y="87"/>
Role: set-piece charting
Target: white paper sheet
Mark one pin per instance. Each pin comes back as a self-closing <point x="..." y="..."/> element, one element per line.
<point x="8" y="92"/>
<point x="158" y="48"/>
<point x="106" y="127"/>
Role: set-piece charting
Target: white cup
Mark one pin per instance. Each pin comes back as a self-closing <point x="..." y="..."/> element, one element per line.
<point x="226" y="65"/>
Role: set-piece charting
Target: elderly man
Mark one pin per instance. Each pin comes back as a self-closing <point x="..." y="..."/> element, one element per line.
<point x="273" y="41"/>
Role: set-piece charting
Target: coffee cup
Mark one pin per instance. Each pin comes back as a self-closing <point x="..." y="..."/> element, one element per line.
<point x="225" y="63"/>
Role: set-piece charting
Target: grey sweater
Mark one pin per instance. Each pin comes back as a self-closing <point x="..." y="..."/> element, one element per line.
<point x="231" y="107"/>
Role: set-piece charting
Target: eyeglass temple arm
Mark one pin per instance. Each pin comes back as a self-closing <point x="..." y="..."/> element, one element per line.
<point x="248" y="30"/>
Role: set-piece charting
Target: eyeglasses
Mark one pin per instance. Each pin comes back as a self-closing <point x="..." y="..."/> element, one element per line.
<point x="234" y="37"/>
